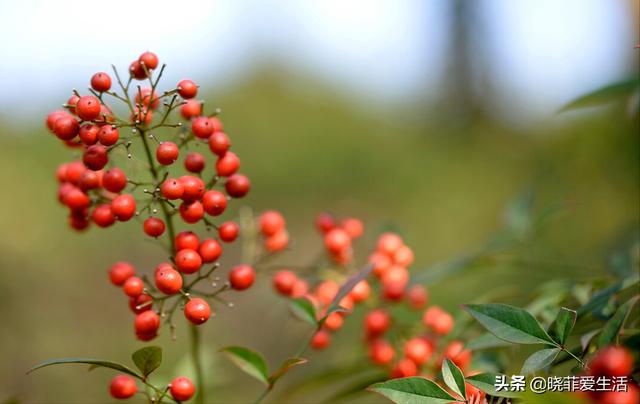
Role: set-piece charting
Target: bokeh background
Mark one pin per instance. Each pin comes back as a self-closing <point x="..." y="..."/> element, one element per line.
<point x="426" y="117"/>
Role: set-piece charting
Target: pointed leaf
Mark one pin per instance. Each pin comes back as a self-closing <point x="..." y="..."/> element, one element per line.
<point x="88" y="361"/>
<point x="509" y="323"/>
<point x="304" y="309"/>
<point x="453" y="378"/>
<point x="147" y="359"/>
<point x="562" y="326"/>
<point x="285" y="367"/>
<point x="249" y="361"/>
<point x="604" y="94"/>
<point x="486" y="341"/>
<point x="412" y="390"/>
<point x="346" y="288"/>
<point x="487" y="383"/>
<point x="539" y="360"/>
<point x="612" y="328"/>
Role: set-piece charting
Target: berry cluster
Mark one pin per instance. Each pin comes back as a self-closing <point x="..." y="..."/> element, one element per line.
<point x="122" y="387"/>
<point x="610" y="362"/>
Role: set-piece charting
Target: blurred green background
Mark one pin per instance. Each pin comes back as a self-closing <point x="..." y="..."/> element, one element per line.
<point x="439" y="172"/>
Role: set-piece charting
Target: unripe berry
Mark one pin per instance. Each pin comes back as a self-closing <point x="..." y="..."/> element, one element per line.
<point x="120" y="272"/>
<point x="167" y="153"/>
<point x="353" y="227"/>
<point x="237" y="185"/>
<point x="147" y="323"/>
<point x="219" y="143"/>
<point x="141" y="303"/>
<point x="182" y="388"/>
<point x="337" y="240"/>
<point x="197" y="310"/>
<point x="271" y="222"/>
<point x="438" y="320"/>
<point x="283" y="282"/>
<point x="277" y="242"/>
<point x="186" y="240"/>
<point x="188" y="261"/>
<point x="612" y="361"/>
<point x="321" y="339"/>
<point x="214" y="202"/>
<point x="376" y="322"/>
<point x="202" y="127"/>
<point x="404" y="368"/>
<point x="210" y="250"/>
<point x="193" y="187"/>
<point x="123" y="207"/>
<point x="168" y="281"/>
<point x="89" y="134"/>
<point x="149" y="59"/>
<point x="194" y="162"/>
<point x="108" y="135"/>
<point x="114" y="180"/>
<point x="228" y="231"/>
<point x="381" y="352"/>
<point x="66" y="127"/>
<point x="190" y="109"/>
<point x="153" y="227"/>
<point x="418" y="350"/>
<point x="101" y="82"/>
<point x="95" y="157"/>
<point x="191" y="212"/>
<point x="187" y="89"/>
<point x="172" y="189"/>
<point x="325" y="222"/>
<point x="133" y="286"/>
<point x="122" y="387"/>
<point x="227" y="164"/>
<point x="242" y="277"/>
<point x="103" y="216"/>
<point x="88" y="108"/>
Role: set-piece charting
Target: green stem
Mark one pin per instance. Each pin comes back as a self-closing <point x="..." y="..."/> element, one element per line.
<point x="197" y="364"/>
<point x="263" y="395"/>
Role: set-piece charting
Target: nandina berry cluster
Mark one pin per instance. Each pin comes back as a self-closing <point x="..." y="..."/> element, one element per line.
<point x="103" y="187"/>
<point x="122" y="386"/>
<point x="613" y="362"/>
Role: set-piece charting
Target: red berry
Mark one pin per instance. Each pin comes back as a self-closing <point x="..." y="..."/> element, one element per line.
<point x="144" y="98"/>
<point x="149" y="59"/>
<point x="326" y="291"/>
<point x="284" y="281"/>
<point x="188" y="261"/>
<point x="353" y="227"/>
<point x="133" y="286"/>
<point x="66" y="127"/>
<point x="122" y="387"/>
<point x="325" y="222"/>
<point x="388" y="243"/>
<point x="360" y="292"/>
<point x="395" y="275"/>
<point x="320" y="340"/>
<point x="95" y="157"/>
<point x="210" y="250"/>
<point x="277" y="242"/>
<point x="172" y="189"/>
<point x="227" y="164"/>
<point x="334" y="321"/>
<point x="187" y="240"/>
<point x="120" y="272"/>
<point x="217" y="124"/>
<point x="52" y="117"/>
<point x="141" y="303"/>
<point x="337" y="240"/>
<point x="108" y="135"/>
<point x="219" y="143"/>
<point x="123" y="207"/>
<point x="271" y="222"/>
<point x="631" y="396"/>
<point x="153" y="227"/>
<point x="141" y="115"/>
<point x="381" y="352"/>
<point x="106" y="115"/>
<point x="114" y="180"/>
<point x="187" y="89"/>
<point x="167" y="153"/>
<point x="376" y="322"/>
<point x="214" y="202"/>
<point x="418" y="350"/>
<point x="182" y="388"/>
<point x="103" y="216"/>
<point x="417" y="297"/>
<point x="72" y="102"/>
<point x="147" y="323"/>
<point x="612" y="361"/>
<point x="90" y="180"/>
<point x="168" y="281"/>
<point x="89" y="134"/>
<point x="197" y="310"/>
<point x="190" y="109"/>
<point x="75" y="199"/>
<point x="74" y="171"/>
<point x="404" y="368"/>
<point x="193" y="187"/>
<point x="101" y="82"/>
<point x="237" y="185"/>
<point x="78" y="221"/>
<point x="137" y="71"/>
<point x="202" y="127"/>
<point x="438" y="320"/>
<point x="457" y="354"/>
<point x="88" y="108"/>
<point x="191" y="211"/>
<point x="242" y="277"/>
<point x="194" y="162"/>
<point x="228" y="231"/>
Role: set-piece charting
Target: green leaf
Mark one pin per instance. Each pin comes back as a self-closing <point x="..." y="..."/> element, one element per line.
<point x="601" y="298"/>
<point x="539" y="360"/>
<point x="509" y="323"/>
<point x="612" y="328"/>
<point x="562" y="326"/>
<point x="453" y="378"/>
<point x="604" y="95"/>
<point x="285" y="367"/>
<point x="486" y="341"/>
<point x="412" y="390"/>
<point x="147" y="359"/>
<point x="305" y="310"/>
<point x="249" y="361"/>
<point x="345" y="289"/>
<point x="88" y="361"/>
<point x="486" y="382"/>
